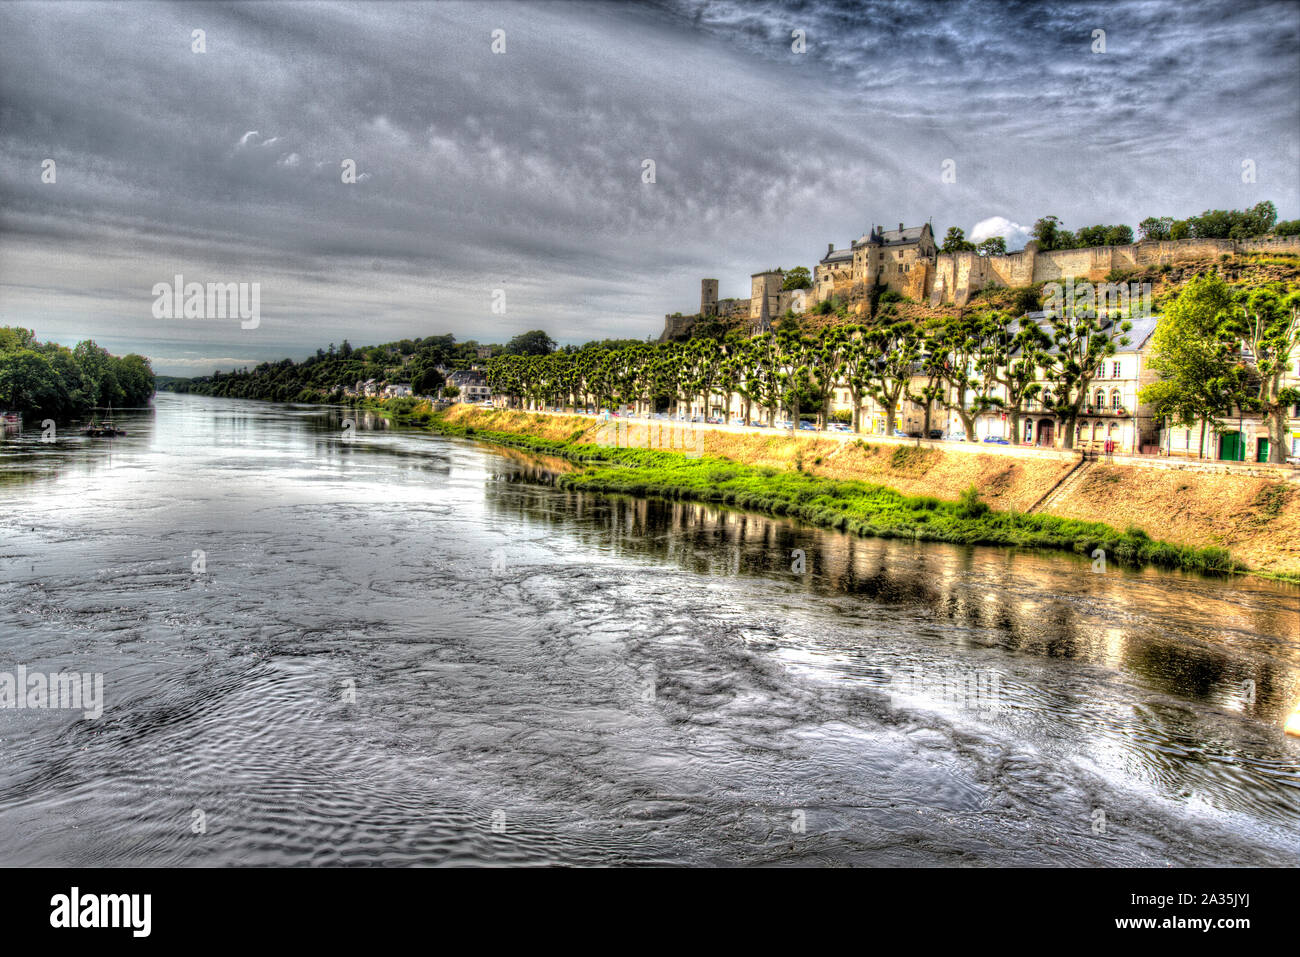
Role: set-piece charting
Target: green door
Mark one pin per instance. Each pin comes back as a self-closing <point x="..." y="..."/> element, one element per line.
<point x="1232" y="447"/>
<point x="1261" y="452"/>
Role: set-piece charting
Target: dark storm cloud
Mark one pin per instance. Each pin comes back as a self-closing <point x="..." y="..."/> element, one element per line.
<point x="522" y="171"/>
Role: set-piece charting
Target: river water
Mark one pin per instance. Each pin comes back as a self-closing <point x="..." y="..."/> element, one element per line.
<point x="362" y="645"/>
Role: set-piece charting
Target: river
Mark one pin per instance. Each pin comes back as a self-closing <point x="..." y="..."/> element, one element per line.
<point x="365" y="645"/>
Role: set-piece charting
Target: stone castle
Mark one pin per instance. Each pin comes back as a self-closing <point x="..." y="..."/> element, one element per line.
<point x="907" y="261"/>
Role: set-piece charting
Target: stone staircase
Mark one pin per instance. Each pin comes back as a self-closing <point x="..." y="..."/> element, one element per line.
<point x="1071" y="480"/>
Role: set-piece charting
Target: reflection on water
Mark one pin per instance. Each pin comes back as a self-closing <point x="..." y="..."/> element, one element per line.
<point x="406" y="649"/>
<point x="1194" y="649"/>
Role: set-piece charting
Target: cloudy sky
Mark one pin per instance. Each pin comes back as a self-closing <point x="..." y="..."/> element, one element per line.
<point x="523" y="170"/>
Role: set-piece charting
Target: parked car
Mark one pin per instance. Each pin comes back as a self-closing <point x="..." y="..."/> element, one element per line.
<point x="899" y="433"/>
<point x="936" y="433"/>
<point x="996" y="440"/>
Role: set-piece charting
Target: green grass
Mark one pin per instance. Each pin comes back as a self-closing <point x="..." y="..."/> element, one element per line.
<point x="860" y="508"/>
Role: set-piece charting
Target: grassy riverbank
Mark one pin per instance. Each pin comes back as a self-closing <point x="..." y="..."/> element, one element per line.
<point x="858" y="507"/>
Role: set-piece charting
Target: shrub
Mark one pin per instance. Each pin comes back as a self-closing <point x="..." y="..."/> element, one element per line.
<point x="969" y="504"/>
<point x="1027" y="299"/>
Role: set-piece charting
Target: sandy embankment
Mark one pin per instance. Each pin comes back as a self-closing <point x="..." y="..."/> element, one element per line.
<point x="1255" y="518"/>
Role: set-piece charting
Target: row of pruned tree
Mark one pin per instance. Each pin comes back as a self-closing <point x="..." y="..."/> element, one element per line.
<point x="966" y="365"/>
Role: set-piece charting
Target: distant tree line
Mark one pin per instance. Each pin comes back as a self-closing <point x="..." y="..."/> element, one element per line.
<point x="49" y="379"/>
<point x="324" y="376"/>
<point x="1051" y="234"/>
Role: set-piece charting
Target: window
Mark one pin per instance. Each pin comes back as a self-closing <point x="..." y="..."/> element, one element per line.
<point x="1115" y="401"/>
<point x="1114" y="370"/>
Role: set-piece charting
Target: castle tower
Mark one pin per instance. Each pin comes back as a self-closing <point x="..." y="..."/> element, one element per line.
<point x="764" y="288"/>
<point x="764" y="323"/>
<point x="872" y="275"/>
<point x="708" y="297"/>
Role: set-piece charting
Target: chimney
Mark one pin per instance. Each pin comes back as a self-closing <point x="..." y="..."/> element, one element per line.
<point x="900" y="227"/>
<point x="830" y="248"/>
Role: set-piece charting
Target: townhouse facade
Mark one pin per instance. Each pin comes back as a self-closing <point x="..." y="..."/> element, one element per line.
<point x="472" y="385"/>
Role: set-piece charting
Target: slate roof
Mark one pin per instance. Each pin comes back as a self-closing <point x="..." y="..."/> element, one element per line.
<point x="896" y="237"/>
<point x="837" y="256"/>
<point x="1143" y="328"/>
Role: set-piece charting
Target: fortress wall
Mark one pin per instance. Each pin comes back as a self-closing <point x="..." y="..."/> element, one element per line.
<point x="916" y="282"/>
<point x="797" y="299"/>
<point x="1124" y="257"/>
<point x="1093" y="263"/>
<point x="969" y="272"/>
<point x="1014" y="269"/>
<point x="1271" y="244"/>
<point x="676" y="326"/>
<point x="945" y="279"/>
<point x="1169" y="251"/>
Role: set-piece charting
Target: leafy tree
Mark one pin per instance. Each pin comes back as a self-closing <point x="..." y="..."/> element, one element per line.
<point x="958" y="349"/>
<point x="1081" y="342"/>
<point x="533" y="343"/>
<point x="896" y="348"/>
<point x="1266" y="320"/>
<point x="1234" y="223"/>
<point x="955" y="241"/>
<point x="13" y="338"/>
<point x="1049" y="234"/>
<point x="856" y="359"/>
<point x="1011" y="360"/>
<point x="1191" y="352"/>
<point x="1104" y="236"/>
<point x="1155" y="227"/>
<point x="1287" y="227"/>
<point x="993" y="246"/>
<point x="798" y="278"/>
<point x="426" y="380"/>
<point x="28" y="382"/>
<point x="1044" y="231"/>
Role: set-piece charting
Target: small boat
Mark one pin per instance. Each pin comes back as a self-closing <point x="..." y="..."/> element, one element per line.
<point x="101" y="430"/>
<point x="105" y="429"/>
